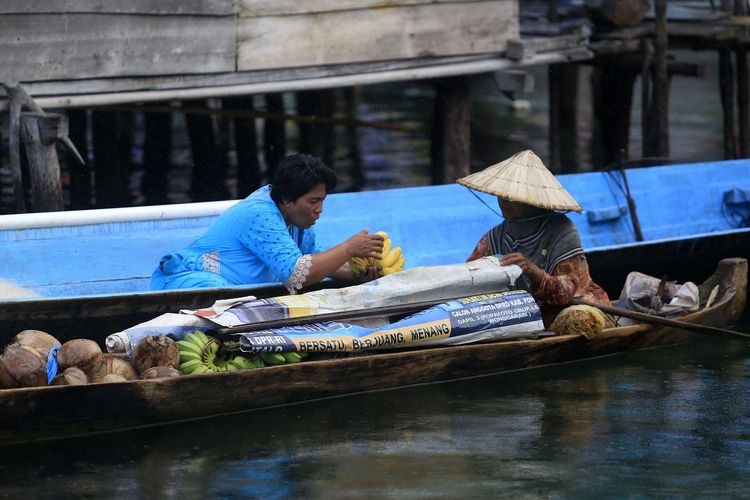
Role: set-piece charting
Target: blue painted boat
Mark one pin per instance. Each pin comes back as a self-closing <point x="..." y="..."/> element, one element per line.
<point x="67" y="267"/>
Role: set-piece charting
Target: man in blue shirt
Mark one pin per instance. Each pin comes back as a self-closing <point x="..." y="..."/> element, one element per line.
<point x="268" y="237"/>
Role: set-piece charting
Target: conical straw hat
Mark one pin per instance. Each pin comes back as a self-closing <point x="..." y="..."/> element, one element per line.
<point x="524" y="178"/>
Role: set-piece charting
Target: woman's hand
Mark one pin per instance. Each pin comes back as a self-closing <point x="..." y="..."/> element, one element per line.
<point x="369" y="274"/>
<point x="363" y="244"/>
<point x="529" y="268"/>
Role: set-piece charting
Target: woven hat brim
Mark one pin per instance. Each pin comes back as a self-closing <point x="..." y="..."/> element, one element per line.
<point x="523" y="178"/>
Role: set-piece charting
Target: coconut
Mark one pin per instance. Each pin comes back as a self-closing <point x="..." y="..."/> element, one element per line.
<point x="83" y="353"/>
<point x="39" y="340"/>
<point x="6" y="381"/>
<point x="155" y="350"/>
<point x="161" y="372"/>
<point x="109" y="377"/>
<point x="24" y="366"/>
<point x="71" y="376"/>
<point x="117" y="365"/>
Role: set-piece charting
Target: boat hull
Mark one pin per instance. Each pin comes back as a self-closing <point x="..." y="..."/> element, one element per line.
<point x="54" y="412"/>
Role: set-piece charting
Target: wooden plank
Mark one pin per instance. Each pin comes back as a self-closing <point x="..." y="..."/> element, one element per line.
<point x="129" y="84"/>
<point x="261" y="8"/>
<point x="382" y="34"/>
<point x="523" y="48"/>
<point x="155" y="7"/>
<point x="74" y="46"/>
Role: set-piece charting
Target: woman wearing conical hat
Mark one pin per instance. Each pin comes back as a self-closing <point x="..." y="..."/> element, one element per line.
<point x="536" y="235"/>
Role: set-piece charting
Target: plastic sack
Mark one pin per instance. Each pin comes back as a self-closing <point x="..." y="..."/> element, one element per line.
<point x="419" y="284"/>
<point x="640" y="294"/>
<point x="488" y="317"/>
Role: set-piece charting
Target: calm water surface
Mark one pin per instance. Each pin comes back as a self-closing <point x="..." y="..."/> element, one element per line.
<point x="662" y="422"/>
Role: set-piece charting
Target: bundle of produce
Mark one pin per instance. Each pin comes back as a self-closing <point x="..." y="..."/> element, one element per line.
<point x="392" y="259"/>
<point x="581" y="320"/>
<point x="200" y="353"/>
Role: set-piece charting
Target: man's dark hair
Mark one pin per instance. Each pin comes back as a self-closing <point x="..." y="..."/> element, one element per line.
<point x="299" y="173"/>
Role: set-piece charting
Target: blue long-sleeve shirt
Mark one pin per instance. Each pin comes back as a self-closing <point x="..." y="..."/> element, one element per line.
<point x="249" y="243"/>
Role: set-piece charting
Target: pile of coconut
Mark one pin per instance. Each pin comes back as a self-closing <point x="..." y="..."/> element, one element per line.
<point x="81" y="361"/>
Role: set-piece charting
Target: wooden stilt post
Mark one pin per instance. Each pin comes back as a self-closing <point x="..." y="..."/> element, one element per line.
<point x="317" y="138"/>
<point x="352" y="96"/>
<point x="563" y="104"/>
<point x="39" y="133"/>
<point x="743" y="103"/>
<point x="246" y="146"/>
<point x="208" y="168"/>
<point x="274" y="133"/>
<point x="613" y="98"/>
<point x="451" y="130"/>
<point x="157" y="156"/>
<point x="647" y="107"/>
<point x="41" y="130"/>
<point x="112" y="140"/>
<point x="79" y="173"/>
<point x="661" y="81"/>
<point x="17" y="99"/>
<point x="726" y="91"/>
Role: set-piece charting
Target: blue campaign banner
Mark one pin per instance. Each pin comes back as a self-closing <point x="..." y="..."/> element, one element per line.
<point x="497" y="314"/>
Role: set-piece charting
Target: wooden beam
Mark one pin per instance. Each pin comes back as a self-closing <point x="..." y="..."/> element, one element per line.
<point x="76" y="46"/>
<point x="150" y="7"/>
<point x="394" y="33"/>
<point x="523" y="48"/>
<point x="261" y="8"/>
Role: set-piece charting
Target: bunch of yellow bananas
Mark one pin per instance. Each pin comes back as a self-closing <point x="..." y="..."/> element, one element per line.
<point x="391" y="262"/>
<point x="199" y="353"/>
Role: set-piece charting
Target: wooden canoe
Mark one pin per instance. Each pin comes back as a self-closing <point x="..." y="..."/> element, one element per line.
<point x="56" y="412"/>
<point x="87" y="272"/>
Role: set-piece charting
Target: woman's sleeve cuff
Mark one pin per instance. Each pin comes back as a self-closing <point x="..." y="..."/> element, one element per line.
<point x="299" y="274"/>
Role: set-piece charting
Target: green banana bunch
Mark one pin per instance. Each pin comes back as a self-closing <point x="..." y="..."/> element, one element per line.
<point x="391" y="261"/>
<point x="200" y="353"/>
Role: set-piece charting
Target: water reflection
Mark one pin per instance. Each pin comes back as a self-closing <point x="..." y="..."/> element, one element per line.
<point x="661" y="422"/>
